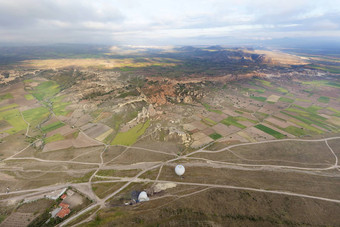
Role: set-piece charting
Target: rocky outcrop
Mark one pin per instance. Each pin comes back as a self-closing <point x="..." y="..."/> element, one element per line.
<point x="151" y="110"/>
<point x="178" y="133"/>
<point x="160" y="94"/>
<point x="144" y="114"/>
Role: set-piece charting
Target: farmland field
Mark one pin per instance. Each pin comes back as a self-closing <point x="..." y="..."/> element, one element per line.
<point x="232" y="121"/>
<point x="52" y="126"/>
<point x="323" y="99"/>
<point x="215" y="136"/>
<point x="29" y="97"/>
<point x="6" y="96"/>
<point x="13" y="117"/>
<point x="45" y="90"/>
<point x="10" y="106"/>
<point x="270" y="131"/>
<point x="130" y="137"/>
<point x="259" y="98"/>
<point x="36" y="115"/>
<point x="54" y="138"/>
<point x="59" y="106"/>
<point x="288" y="100"/>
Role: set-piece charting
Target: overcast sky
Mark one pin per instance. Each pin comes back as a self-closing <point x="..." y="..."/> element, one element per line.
<point x="165" y="22"/>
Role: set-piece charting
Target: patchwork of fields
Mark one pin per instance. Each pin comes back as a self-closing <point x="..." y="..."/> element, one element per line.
<point x="243" y="136"/>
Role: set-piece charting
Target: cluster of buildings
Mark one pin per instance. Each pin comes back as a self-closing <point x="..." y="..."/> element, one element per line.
<point x="62" y="210"/>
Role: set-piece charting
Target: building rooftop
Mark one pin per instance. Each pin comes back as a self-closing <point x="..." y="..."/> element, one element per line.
<point x="64" y="205"/>
<point x="63" y="212"/>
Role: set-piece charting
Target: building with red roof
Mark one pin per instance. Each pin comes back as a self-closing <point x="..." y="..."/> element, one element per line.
<point x="63" y="212"/>
<point x="63" y="196"/>
<point x="64" y="205"/>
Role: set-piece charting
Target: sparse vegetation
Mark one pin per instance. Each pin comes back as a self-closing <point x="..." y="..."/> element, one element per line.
<point x="210" y="109"/>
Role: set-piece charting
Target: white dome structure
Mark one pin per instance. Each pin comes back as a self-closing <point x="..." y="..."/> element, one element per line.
<point x="179" y="170"/>
<point x="142" y="197"/>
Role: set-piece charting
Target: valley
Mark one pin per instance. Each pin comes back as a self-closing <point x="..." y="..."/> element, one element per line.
<point x="252" y="127"/>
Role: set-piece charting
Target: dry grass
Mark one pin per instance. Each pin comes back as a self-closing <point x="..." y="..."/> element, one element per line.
<point x="104" y="189"/>
<point x="297" y="182"/>
<point x="223" y="207"/>
<point x="288" y="152"/>
<point x="92" y="62"/>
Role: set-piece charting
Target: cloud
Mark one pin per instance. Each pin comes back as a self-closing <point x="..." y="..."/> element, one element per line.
<point x="325" y="25"/>
<point x="166" y="21"/>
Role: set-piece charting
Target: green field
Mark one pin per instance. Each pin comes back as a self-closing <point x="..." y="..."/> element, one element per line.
<point x="305" y="126"/>
<point x="6" y="96"/>
<point x="265" y="83"/>
<point x="322" y="83"/>
<point x="287" y="100"/>
<point x="54" y="138"/>
<point x="13" y="117"/>
<point x="10" y="106"/>
<point x="303" y="100"/>
<point x="36" y="115"/>
<point x="260" y="90"/>
<point x="29" y="97"/>
<point x="59" y="107"/>
<point x="215" y="136"/>
<point x="259" y="98"/>
<point x="261" y="116"/>
<point x="336" y="112"/>
<point x="309" y="116"/>
<point x="323" y="99"/>
<point x="208" y="121"/>
<point x="270" y="131"/>
<point x="282" y="90"/>
<point x="46" y="90"/>
<point x="130" y="137"/>
<point x="52" y="126"/>
<point x="295" y="131"/>
<point x="232" y="121"/>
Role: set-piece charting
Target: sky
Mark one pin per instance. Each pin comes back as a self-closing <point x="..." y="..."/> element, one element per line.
<point x="166" y="22"/>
